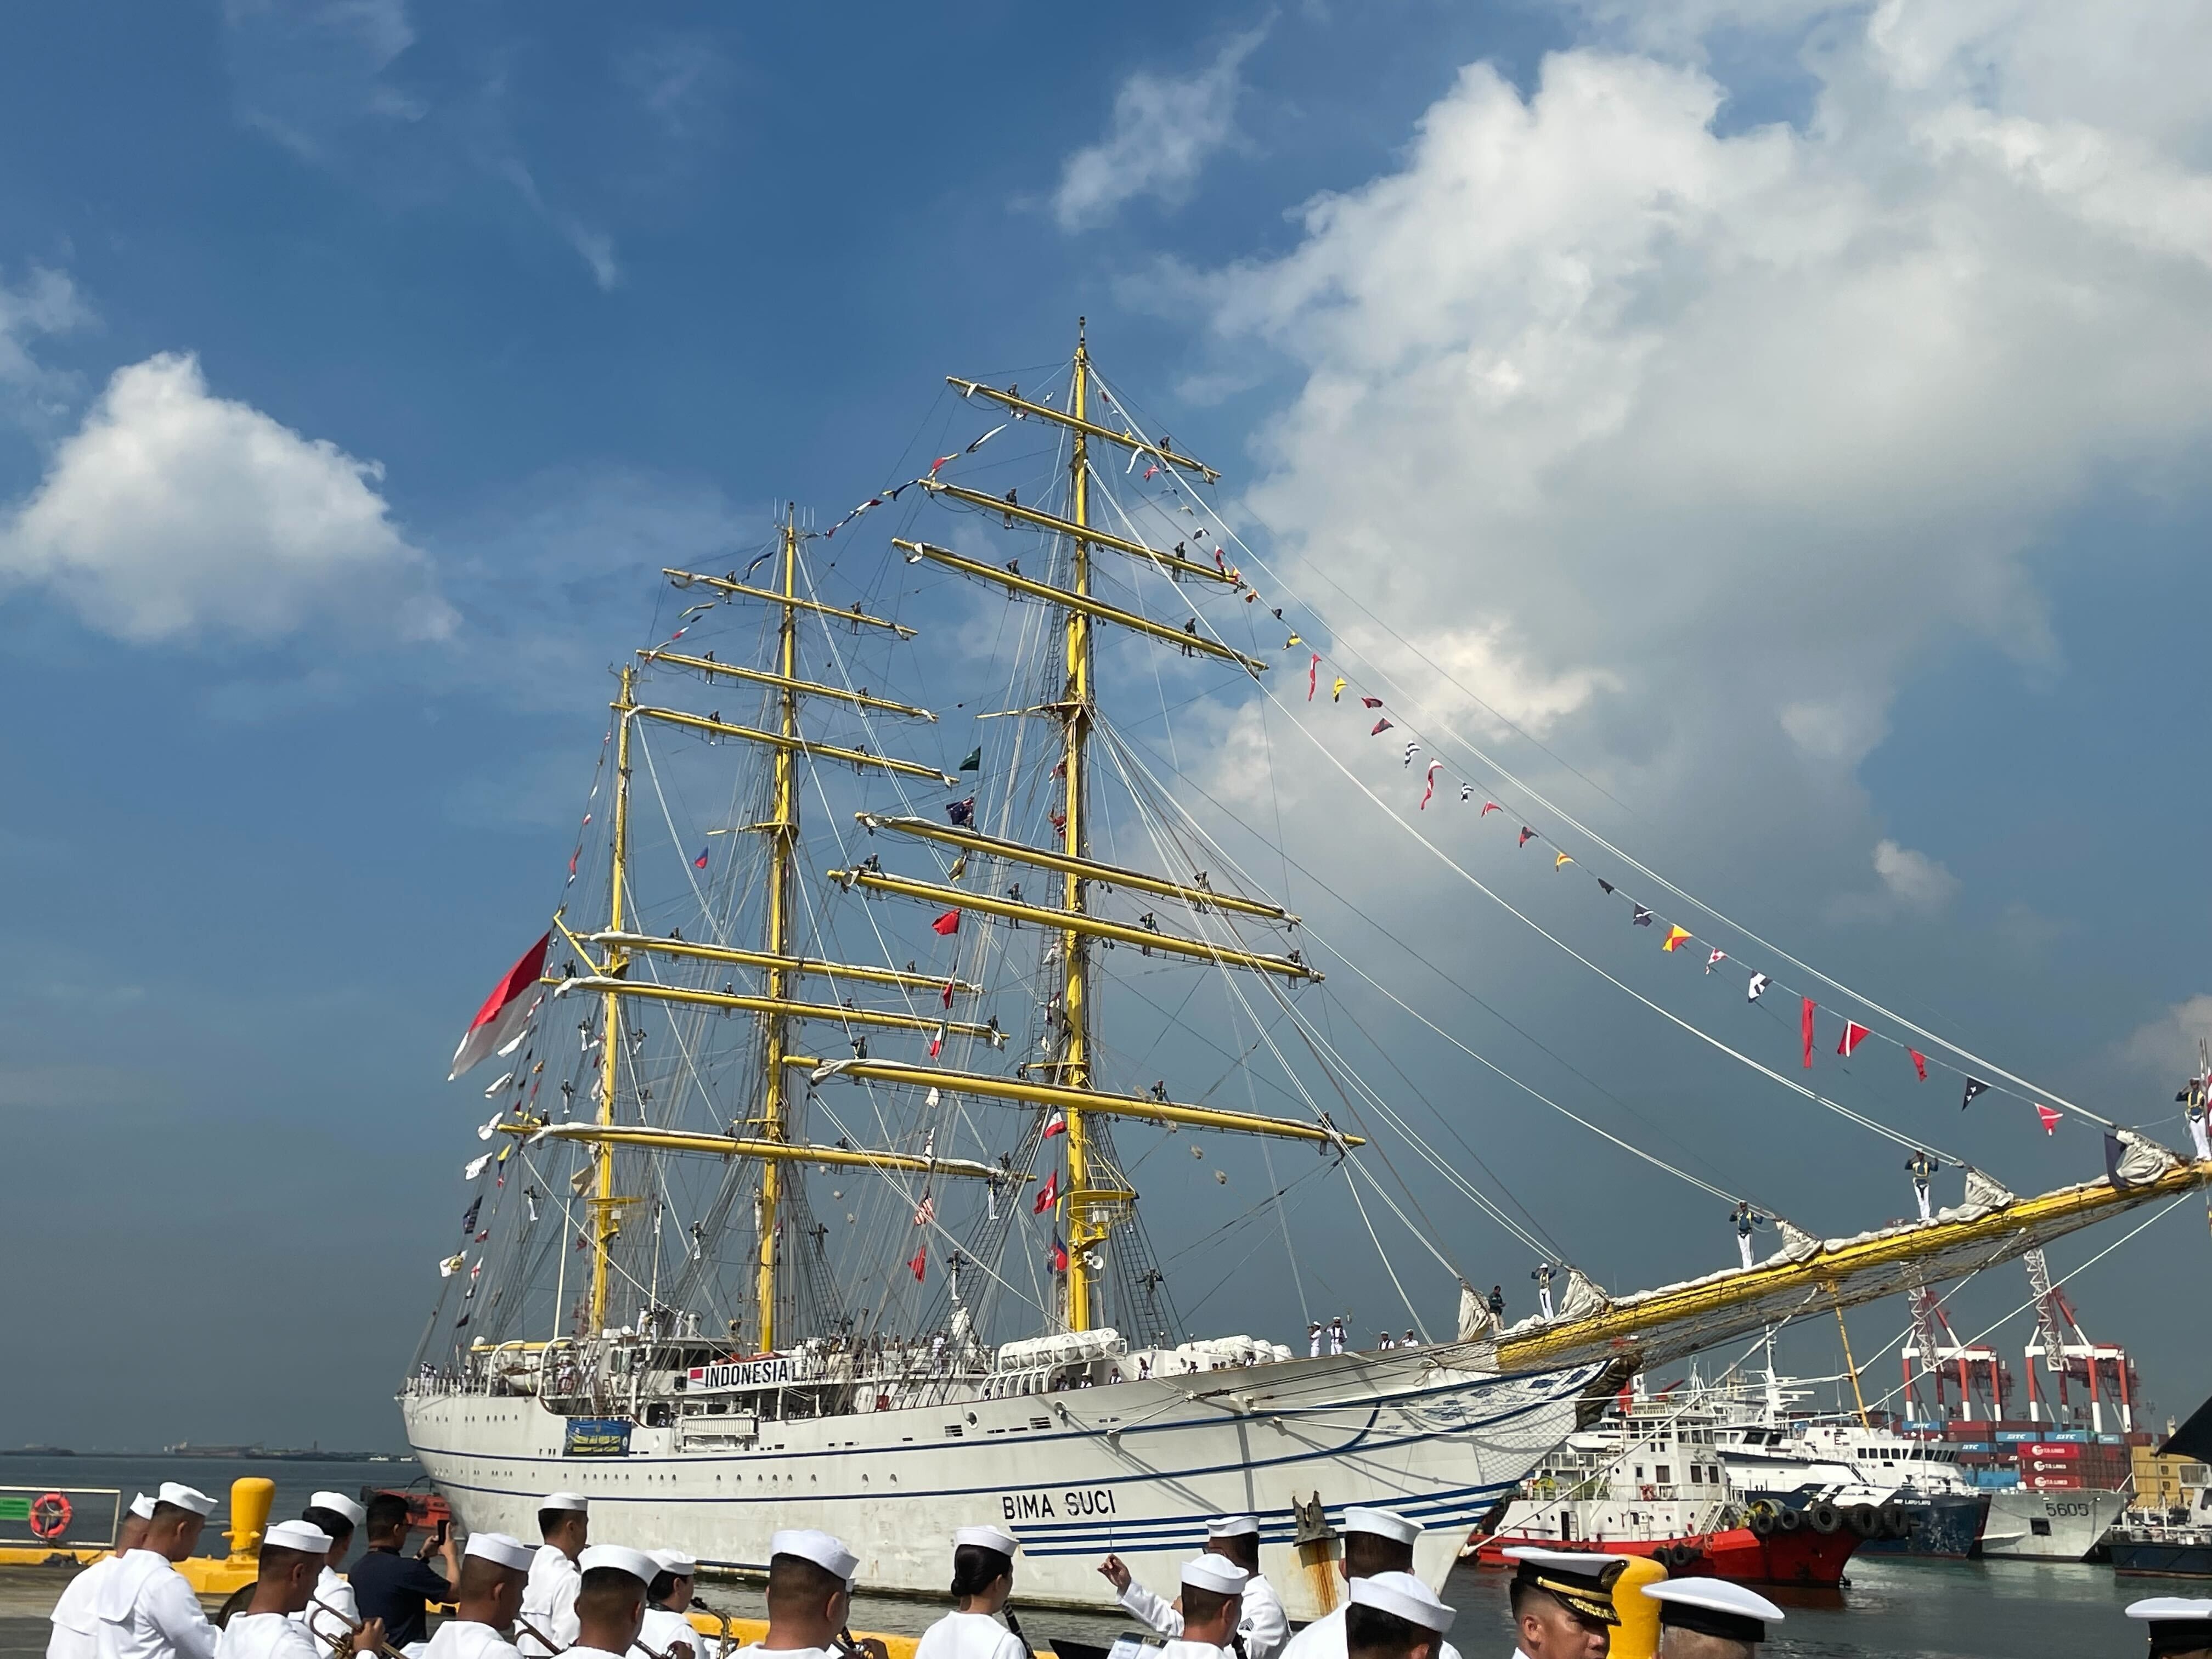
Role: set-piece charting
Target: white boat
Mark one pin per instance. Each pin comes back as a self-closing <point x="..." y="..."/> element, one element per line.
<point x="2049" y="1526"/>
<point x="729" y="1277"/>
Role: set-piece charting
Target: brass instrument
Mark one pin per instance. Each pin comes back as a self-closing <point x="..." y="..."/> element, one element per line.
<point x="722" y="1636"/>
<point x="342" y="1647"/>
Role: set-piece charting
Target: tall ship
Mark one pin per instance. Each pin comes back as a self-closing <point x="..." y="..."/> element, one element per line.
<point x="810" y="1194"/>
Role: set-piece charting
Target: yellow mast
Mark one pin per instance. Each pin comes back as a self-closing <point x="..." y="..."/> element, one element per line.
<point x="604" y="1222"/>
<point x="783" y="835"/>
<point x="1074" y="947"/>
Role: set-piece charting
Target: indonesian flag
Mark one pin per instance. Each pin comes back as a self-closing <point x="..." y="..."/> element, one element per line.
<point x="1854" y="1034"/>
<point x="2048" y="1118"/>
<point x="948" y="923"/>
<point x="1676" y="938"/>
<point x="1054" y="1125"/>
<point x="1059" y="1255"/>
<point x="500" y="1023"/>
<point x="920" y="1264"/>
<point x="1047" y="1195"/>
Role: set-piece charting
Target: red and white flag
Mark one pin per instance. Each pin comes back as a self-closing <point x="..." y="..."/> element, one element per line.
<point x="1047" y="1195"/>
<point x="1854" y="1034"/>
<point x="505" y="1016"/>
<point x="2047" y="1117"/>
<point x="925" y="1212"/>
<point x="1429" y="793"/>
<point x="936" y="1042"/>
<point x="1054" y="1125"/>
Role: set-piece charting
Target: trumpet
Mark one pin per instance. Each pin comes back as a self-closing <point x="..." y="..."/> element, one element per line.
<point x="341" y="1647"/>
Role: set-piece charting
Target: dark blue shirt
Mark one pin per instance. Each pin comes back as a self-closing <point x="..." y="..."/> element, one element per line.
<point x="392" y="1586"/>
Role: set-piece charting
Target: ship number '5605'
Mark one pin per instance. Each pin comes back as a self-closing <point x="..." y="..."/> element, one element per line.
<point x="1050" y="1506"/>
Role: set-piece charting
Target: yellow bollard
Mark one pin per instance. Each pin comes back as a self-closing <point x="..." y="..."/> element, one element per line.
<point x="250" y="1498"/>
<point x="1637" y="1636"/>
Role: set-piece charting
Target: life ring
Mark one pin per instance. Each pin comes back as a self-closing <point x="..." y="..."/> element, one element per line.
<point x="51" y="1516"/>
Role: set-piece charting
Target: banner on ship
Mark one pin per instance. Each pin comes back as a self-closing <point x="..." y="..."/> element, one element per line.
<point x="770" y="1372"/>
<point x="597" y="1437"/>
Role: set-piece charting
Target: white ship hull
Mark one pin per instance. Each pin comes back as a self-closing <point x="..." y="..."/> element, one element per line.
<point x="1134" y="1469"/>
<point x="2072" y="1524"/>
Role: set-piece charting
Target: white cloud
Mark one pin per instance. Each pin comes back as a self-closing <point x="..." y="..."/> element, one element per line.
<point x="46" y="302"/>
<point x="309" y="71"/>
<point x="1916" y="881"/>
<point x="1165" y="128"/>
<point x="173" y="513"/>
<point x="2166" y="1045"/>
<point x="1749" y="423"/>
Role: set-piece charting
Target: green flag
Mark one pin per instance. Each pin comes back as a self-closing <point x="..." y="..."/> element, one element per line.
<point x="975" y="761"/>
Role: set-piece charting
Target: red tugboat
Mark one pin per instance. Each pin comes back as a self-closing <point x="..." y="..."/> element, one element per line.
<point x="1648" y="1479"/>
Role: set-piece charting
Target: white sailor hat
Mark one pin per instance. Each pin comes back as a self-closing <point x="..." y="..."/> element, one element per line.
<point x="1232" y="1526"/>
<point x="1213" y="1572"/>
<point x="562" y="1500"/>
<point x="143" y="1506"/>
<point x="302" y="1536"/>
<point x="1406" y="1596"/>
<point x="622" y="1559"/>
<point x="2178" y="1624"/>
<point x="338" y="1504"/>
<point x="1383" y="1524"/>
<point x="1713" y="1607"/>
<point x="986" y="1538"/>
<point x="186" y="1498"/>
<point x="676" y="1564"/>
<point x="824" y="1552"/>
<point x="499" y="1550"/>
<point x="1582" y="1580"/>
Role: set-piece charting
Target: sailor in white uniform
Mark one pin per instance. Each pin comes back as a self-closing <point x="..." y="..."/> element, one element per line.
<point x="983" y="1579"/>
<point x="332" y="1612"/>
<point x="494" y="1569"/>
<point x="1212" y="1602"/>
<point x="610" y="1602"/>
<point x="1264" y="1627"/>
<point x="1374" y="1541"/>
<point x="810" y="1598"/>
<point x="1711" y="1618"/>
<point x="1394" y="1615"/>
<point x="292" y="1553"/>
<point x="667" y="1633"/>
<point x="548" y="1603"/>
<point x="1562" y="1601"/>
<point x="144" y="1609"/>
<point x="73" y="1618"/>
<point x="2180" y="1625"/>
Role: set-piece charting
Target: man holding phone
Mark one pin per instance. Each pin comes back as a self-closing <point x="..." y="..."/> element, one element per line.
<point x="394" y="1588"/>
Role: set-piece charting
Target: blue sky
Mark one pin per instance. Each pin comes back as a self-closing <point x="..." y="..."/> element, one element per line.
<point x="1794" y="415"/>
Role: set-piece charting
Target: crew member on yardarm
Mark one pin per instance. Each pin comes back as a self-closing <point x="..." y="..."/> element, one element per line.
<point x="1711" y="1618"/>
<point x="331" y="1612"/>
<point x="397" y="1589"/>
<point x="1392" y="1615"/>
<point x="667" y="1632"/>
<point x="293" y="1554"/>
<point x="611" y="1601"/>
<point x="495" y="1568"/>
<point x="1562" y="1602"/>
<point x="1213" y="1603"/>
<point x="548" y="1604"/>
<point x="810" y="1599"/>
<point x="73" y="1618"/>
<point x="983" y="1579"/>
<point x="2179" y="1627"/>
<point x="1374" y="1541"/>
<point x="1263" y="1628"/>
<point x="144" y="1609"/>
